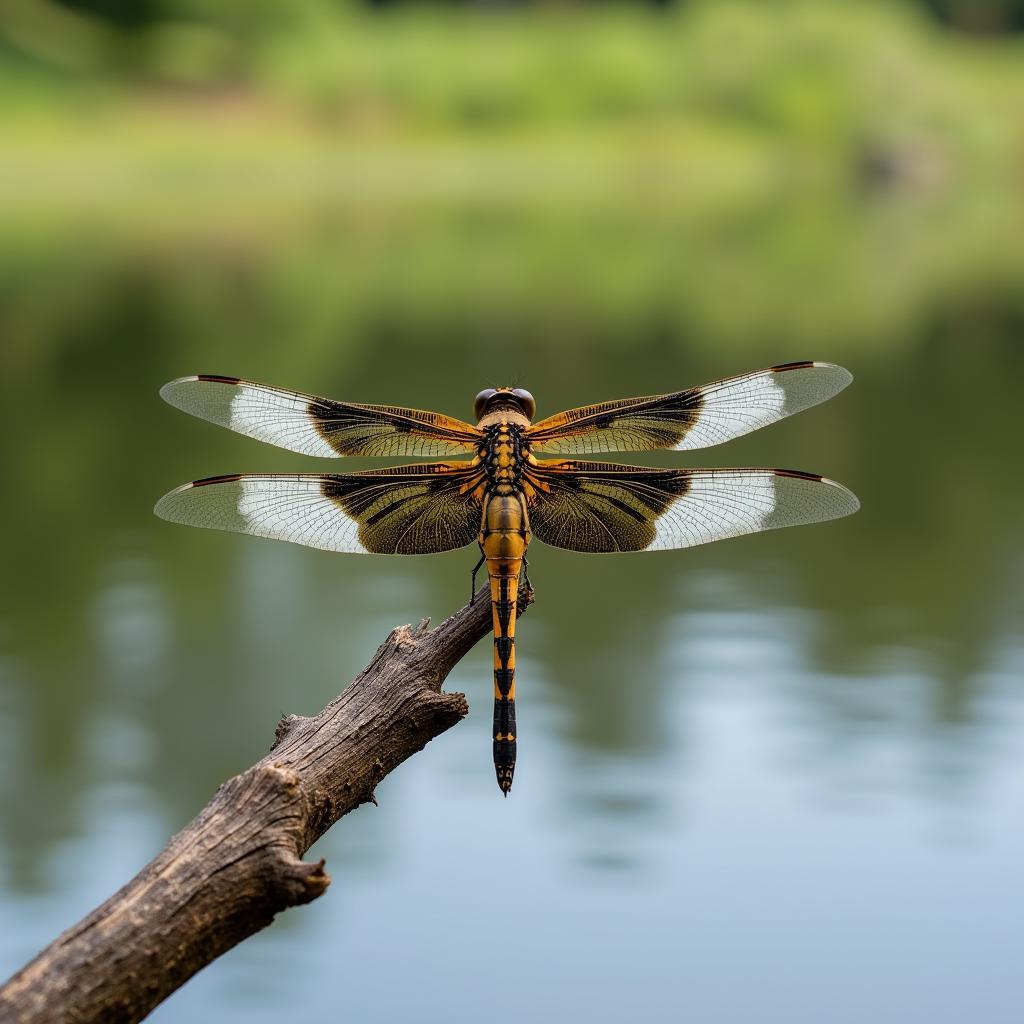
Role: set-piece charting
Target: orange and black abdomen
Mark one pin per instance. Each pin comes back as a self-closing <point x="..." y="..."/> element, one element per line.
<point x="504" y="593"/>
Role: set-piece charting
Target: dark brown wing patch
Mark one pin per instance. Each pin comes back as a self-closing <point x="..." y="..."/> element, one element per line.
<point x="390" y="430"/>
<point x="404" y="512"/>
<point x="630" y="425"/>
<point x="579" y="506"/>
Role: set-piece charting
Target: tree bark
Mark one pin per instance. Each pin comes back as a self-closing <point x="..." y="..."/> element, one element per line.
<point x="239" y="863"/>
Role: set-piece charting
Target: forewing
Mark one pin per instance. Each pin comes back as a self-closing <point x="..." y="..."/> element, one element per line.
<point x="696" y="418"/>
<point x="407" y="510"/>
<point x="319" y="426"/>
<point x="604" y="507"/>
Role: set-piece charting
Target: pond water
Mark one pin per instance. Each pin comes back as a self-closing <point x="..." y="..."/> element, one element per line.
<point x="777" y="778"/>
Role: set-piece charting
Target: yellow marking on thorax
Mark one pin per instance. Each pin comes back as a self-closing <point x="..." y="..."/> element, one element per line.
<point x="510" y="417"/>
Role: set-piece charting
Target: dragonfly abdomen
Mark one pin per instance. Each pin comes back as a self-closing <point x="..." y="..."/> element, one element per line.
<point x="504" y="537"/>
<point x="504" y="592"/>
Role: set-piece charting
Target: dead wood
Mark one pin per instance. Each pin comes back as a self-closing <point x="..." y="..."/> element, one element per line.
<point x="227" y="873"/>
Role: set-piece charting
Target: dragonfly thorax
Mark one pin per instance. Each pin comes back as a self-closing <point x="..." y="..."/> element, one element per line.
<point x="504" y="455"/>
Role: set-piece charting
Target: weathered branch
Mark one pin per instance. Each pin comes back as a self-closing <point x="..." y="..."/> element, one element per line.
<point x="227" y="873"/>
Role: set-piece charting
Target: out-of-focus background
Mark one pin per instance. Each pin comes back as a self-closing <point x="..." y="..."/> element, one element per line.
<point x="781" y="777"/>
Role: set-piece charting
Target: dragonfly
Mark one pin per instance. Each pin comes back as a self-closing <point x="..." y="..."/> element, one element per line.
<point x="496" y="492"/>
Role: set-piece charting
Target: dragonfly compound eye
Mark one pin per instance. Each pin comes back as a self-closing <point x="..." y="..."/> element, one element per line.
<point x="526" y="401"/>
<point x="480" y="404"/>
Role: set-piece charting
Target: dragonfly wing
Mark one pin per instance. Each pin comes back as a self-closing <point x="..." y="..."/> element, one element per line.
<point x="604" y="507"/>
<point x="407" y="510"/>
<point x="319" y="426"/>
<point x="696" y="418"/>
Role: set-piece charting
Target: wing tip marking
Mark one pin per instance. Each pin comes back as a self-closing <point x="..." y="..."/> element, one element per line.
<point x="163" y="506"/>
<point x="168" y="391"/>
<point x="813" y="364"/>
<point x="226" y="478"/>
<point x="801" y="474"/>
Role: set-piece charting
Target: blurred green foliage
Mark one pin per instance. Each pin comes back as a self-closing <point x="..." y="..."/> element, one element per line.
<point x="789" y="95"/>
<point x="841" y="166"/>
<point x="973" y="15"/>
<point x="815" y="65"/>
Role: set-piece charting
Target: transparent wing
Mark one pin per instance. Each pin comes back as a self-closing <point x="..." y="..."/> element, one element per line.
<point x="319" y="426"/>
<point x="407" y="510"/>
<point x="696" y="418"/>
<point x="604" y="507"/>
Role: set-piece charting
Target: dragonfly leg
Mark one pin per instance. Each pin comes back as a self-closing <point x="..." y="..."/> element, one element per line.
<point x="472" y="580"/>
<point x="526" y="574"/>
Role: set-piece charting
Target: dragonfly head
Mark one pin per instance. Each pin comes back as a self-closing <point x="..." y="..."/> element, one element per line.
<point x="493" y="398"/>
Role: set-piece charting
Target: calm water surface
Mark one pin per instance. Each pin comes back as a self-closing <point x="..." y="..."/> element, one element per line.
<point x="779" y="778"/>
